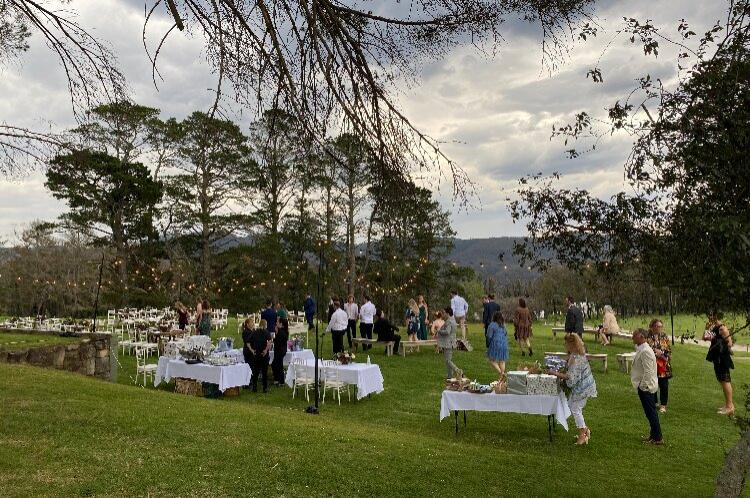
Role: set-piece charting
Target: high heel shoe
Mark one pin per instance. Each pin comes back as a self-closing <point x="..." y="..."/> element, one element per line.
<point x="588" y="433"/>
<point x="581" y="442"/>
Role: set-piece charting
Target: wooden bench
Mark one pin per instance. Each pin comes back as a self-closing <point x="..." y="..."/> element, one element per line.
<point x="356" y="341"/>
<point x="415" y="344"/>
<point x="561" y="330"/>
<point x="625" y="361"/>
<point x="602" y="357"/>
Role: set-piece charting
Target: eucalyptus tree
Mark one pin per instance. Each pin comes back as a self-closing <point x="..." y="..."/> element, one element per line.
<point x="208" y="186"/>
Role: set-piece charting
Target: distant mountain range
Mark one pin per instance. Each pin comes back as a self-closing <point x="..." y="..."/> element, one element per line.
<point x="492" y="257"/>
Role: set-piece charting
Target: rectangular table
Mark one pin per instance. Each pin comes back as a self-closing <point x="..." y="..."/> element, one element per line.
<point x="225" y="376"/>
<point x="554" y="407"/>
<point x="367" y="378"/>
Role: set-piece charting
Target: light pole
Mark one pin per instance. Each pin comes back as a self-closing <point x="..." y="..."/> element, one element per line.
<point x="314" y="409"/>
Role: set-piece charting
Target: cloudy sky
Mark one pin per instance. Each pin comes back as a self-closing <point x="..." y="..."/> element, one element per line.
<point x="495" y="114"/>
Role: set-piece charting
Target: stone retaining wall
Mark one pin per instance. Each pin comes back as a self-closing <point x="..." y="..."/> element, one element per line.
<point x="89" y="357"/>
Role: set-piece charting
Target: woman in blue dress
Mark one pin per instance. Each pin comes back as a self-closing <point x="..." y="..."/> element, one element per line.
<point x="497" y="338"/>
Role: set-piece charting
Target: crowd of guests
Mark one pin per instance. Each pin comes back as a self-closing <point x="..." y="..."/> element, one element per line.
<point x="650" y="374"/>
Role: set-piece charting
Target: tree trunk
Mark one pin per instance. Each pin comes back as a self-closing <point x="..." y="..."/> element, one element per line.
<point x="731" y="479"/>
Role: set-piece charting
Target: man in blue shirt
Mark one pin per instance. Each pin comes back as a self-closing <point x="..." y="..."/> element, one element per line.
<point x="269" y="315"/>
<point x="309" y="307"/>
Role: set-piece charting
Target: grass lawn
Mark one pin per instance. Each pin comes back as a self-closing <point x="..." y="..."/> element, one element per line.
<point x="68" y="435"/>
<point x="14" y="341"/>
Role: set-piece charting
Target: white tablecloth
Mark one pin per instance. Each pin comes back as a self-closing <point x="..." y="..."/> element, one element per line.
<point x="306" y="355"/>
<point x="225" y="376"/>
<point x="506" y="403"/>
<point x="367" y="378"/>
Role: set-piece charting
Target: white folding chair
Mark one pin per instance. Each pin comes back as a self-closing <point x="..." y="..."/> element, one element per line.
<point x="332" y="381"/>
<point x="147" y="369"/>
<point x="302" y="377"/>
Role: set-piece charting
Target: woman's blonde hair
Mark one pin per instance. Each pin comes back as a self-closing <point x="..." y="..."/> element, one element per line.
<point x="413" y="306"/>
<point x="263" y="324"/>
<point x="575" y="344"/>
<point x="608" y="309"/>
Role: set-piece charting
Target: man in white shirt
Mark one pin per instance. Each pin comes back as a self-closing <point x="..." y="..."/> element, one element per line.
<point x="366" y="318"/>
<point x="460" y="308"/>
<point x="644" y="379"/>
<point x="337" y="327"/>
<point x="352" y="312"/>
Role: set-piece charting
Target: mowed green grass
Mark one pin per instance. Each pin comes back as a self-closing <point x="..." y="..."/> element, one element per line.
<point x="12" y="341"/>
<point x="67" y="435"/>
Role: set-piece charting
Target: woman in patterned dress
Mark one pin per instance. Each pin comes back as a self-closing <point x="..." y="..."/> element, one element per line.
<point x="581" y="382"/>
<point x="497" y="339"/>
<point x="659" y="342"/>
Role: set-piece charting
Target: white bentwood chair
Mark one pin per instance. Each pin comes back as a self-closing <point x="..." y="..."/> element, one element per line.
<point x="332" y="381"/>
<point x="302" y="377"/>
<point x="147" y="369"/>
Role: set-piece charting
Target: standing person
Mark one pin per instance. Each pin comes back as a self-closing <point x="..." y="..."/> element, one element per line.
<point x="522" y="323"/>
<point x="720" y="354"/>
<point x="198" y="314"/>
<point x="437" y="323"/>
<point x="281" y="311"/>
<point x="659" y="342"/>
<point x="331" y="307"/>
<point x="279" y="349"/>
<point x="309" y="307"/>
<point x="366" y="318"/>
<point x="643" y="377"/>
<point x="609" y="326"/>
<point x="412" y="320"/>
<point x="447" y="342"/>
<point x="259" y="343"/>
<point x="581" y="382"/>
<point x="573" y="318"/>
<point x="204" y="325"/>
<point x="182" y="315"/>
<point x="247" y="329"/>
<point x="423" y="314"/>
<point x="386" y="331"/>
<point x="490" y="308"/>
<point x="337" y="327"/>
<point x="460" y="308"/>
<point x="270" y="316"/>
<point x="497" y="344"/>
<point x="352" y="312"/>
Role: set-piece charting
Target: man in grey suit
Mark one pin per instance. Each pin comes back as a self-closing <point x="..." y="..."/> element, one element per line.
<point x="573" y="318"/>
<point x="446" y="339"/>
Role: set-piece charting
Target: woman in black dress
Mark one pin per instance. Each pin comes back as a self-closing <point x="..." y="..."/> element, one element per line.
<point x="279" y="350"/>
<point x="182" y="315"/>
<point x="720" y="354"/>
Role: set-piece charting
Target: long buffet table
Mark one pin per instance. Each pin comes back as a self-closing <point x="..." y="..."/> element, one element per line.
<point x="225" y="376"/>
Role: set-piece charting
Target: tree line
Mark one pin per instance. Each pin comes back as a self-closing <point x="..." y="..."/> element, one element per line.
<point x="181" y="209"/>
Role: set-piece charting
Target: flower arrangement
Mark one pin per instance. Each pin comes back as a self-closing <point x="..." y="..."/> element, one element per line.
<point x="344" y="357"/>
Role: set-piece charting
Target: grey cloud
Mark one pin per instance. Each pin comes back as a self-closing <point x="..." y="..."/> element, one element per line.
<point x="495" y="114"/>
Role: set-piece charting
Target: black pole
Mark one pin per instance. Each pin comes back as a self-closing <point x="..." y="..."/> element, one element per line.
<point x="98" y="286"/>
<point x="671" y="313"/>
<point x="314" y="409"/>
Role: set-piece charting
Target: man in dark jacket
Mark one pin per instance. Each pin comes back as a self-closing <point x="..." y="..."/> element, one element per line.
<point x="309" y="307"/>
<point x="385" y="331"/>
<point x="573" y="318"/>
<point x="490" y="307"/>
